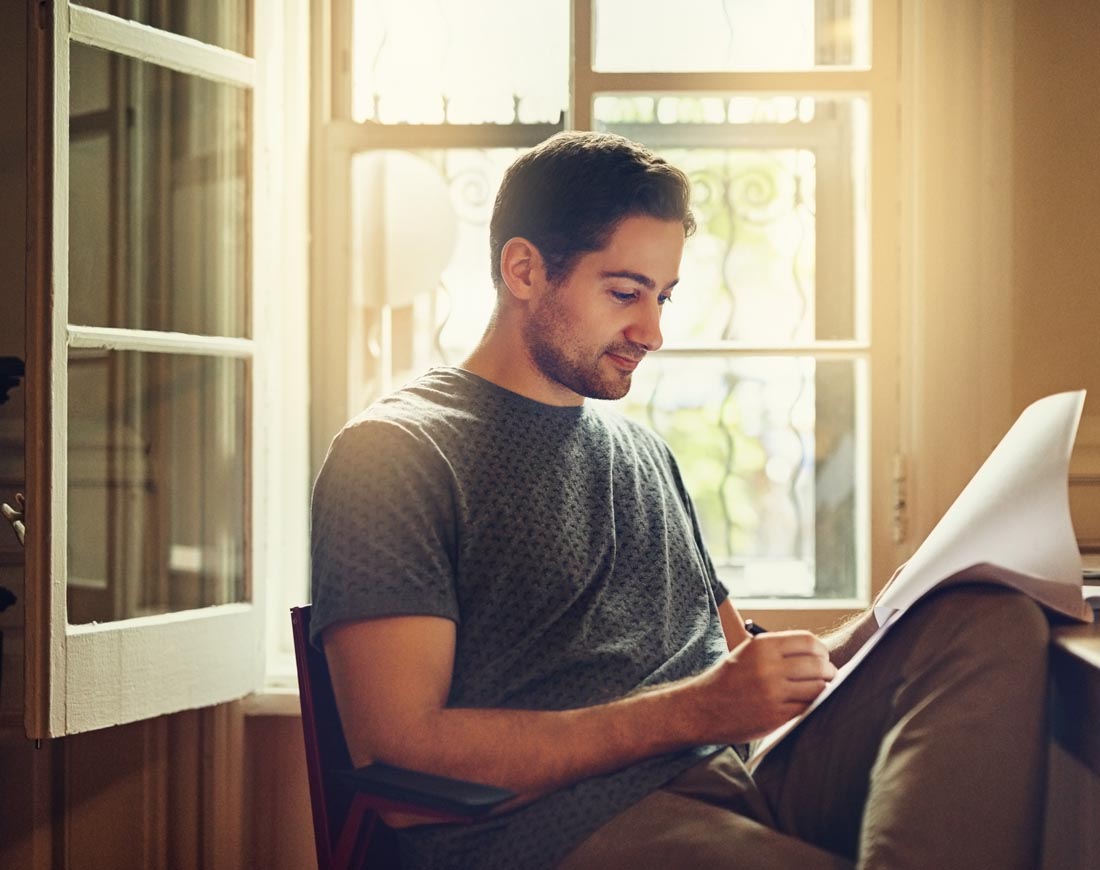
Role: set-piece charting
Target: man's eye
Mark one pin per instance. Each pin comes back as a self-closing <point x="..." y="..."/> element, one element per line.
<point x="663" y="298"/>
<point x="624" y="296"/>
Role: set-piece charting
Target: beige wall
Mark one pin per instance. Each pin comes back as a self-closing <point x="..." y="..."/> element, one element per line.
<point x="1056" y="250"/>
<point x="955" y="282"/>
<point x="1056" y="233"/>
<point x="279" y="823"/>
<point x="1001" y="112"/>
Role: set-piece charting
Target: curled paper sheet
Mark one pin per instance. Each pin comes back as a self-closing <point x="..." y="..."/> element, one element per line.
<point x="1011" y="525"/>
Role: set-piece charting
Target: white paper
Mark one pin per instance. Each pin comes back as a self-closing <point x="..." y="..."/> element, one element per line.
<point x="1014" y="513"/>
<point x="1010" y="525"/>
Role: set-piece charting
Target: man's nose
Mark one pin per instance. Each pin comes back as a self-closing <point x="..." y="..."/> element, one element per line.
<point x="645" y="328"/>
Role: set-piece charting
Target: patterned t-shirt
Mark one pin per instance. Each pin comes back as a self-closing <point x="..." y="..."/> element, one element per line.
<point x="562" y="543"/>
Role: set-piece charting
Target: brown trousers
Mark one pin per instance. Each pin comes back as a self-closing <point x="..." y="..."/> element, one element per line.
<point x="931" y="755"/>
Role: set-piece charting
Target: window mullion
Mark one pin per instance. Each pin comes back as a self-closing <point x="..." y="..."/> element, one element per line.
<point x="170" y="50"/>
<point x="819" y="82"/>
<point x="342" y="28"/>
<point x="149" y="341"/>
<point x="46" y="484"/>
<point x="821" y="350"/>
<point x="352" y="137"/>
<point x="581" y="85"/>
<point x="812" y="135"/>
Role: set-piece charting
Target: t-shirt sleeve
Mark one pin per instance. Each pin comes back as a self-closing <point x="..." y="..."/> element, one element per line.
<point x="382" y="528"/>
<point x="721" y="593"/>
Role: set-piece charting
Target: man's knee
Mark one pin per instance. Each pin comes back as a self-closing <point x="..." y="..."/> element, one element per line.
<point x="994" y="610"/>
<point x="987" y="625"/>
<point x="982" y="624"/>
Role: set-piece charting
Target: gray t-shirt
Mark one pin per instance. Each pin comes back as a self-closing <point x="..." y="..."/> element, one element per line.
<point x="562" y="543"/>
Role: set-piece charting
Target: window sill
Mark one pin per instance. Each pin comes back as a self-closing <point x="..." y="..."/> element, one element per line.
<point x="272" y="701"/>
<point x="279" y="694"/>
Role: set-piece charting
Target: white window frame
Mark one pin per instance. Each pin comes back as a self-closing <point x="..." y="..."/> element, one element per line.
<point x="83" y="677"/>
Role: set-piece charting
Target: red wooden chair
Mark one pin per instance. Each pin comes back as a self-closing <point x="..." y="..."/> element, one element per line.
<point x="346" y="800"/>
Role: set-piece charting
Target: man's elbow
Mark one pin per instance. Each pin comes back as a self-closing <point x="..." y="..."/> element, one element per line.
<point x="399" y="741"/>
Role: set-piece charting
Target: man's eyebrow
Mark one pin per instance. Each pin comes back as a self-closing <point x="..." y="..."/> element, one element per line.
<point x="637" y="278"/>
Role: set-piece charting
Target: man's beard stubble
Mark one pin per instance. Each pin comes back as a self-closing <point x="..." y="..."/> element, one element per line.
<point x="549" y="342"/>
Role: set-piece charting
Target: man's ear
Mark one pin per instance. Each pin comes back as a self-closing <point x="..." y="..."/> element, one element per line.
<point x="522" y="268"/>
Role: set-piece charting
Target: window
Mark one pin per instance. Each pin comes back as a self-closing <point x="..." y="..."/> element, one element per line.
<point x="775" y="363"/>
<point x="160" y="349"/>
<point x="159" y="367"/>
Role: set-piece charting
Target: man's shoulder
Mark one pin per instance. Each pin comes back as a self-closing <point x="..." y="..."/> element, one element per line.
<point x="411" y="435"/>
<point x="437" y="397"/>
<point x="397" y="424"/>
<point x="624" y="428"/>
<point x="439" y="391"/>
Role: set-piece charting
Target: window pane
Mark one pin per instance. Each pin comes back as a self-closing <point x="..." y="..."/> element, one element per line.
<point x="460" y="62"/>
<point x="420" y="243"/>
<point x="780" y="198"/>
<point x="225" y="23"/>
<point x="157" y="483"/>
<point x="732" y="35"/>
<point x="769" y="450"/>
<point x="159" y="198"/>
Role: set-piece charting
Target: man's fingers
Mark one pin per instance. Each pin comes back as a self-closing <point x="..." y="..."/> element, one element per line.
<point x="797" y="649"/>
<point x="804" y="691"/>
<point x="808" y="668"/>
<point x="794" y="643"/>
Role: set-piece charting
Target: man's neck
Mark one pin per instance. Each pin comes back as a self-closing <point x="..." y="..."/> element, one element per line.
<point x="502" y="357"/>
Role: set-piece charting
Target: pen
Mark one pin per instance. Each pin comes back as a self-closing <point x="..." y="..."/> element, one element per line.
<point x="754" y="628"/>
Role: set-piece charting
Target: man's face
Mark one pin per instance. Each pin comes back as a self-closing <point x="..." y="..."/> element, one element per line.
<point x="587" y="333"/>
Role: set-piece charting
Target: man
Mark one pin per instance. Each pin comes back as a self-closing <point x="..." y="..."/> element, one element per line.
<point x="511" y="588"/>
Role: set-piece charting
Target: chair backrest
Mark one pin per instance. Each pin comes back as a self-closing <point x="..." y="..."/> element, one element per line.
<point x="346" y="825"/>
<point x="326" y="750"/>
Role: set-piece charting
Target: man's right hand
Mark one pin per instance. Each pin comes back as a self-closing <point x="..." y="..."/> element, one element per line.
<point x="759" y="685"/>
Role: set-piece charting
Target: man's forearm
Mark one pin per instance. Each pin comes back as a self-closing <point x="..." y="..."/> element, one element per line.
<point x="757" y="687"/>
<point x="845" y="641"/>
<point x="392" y="679"/>
<point x="536" y="752"/>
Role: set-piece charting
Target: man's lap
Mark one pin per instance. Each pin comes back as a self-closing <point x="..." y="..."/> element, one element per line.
<point x="940" y="734"/>
<point x="709" y="816"/>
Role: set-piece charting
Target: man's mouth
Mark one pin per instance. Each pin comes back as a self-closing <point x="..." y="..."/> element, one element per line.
<point x="626" y="362"/>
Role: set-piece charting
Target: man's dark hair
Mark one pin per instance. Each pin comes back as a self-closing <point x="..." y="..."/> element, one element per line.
<point x="568" y="194"/>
